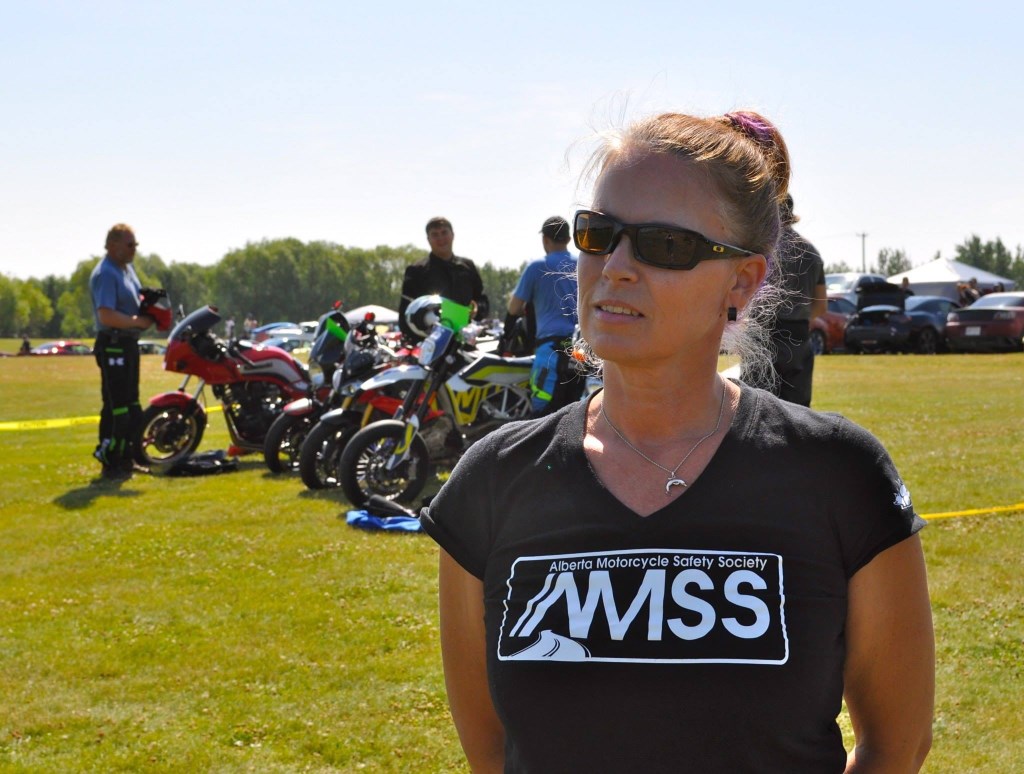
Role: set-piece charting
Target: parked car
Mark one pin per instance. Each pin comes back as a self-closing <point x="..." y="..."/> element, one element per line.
<point x="62" y="348"/>
<point x="287" y="343"/>
<point x="290" y="332"/>
<point x="270" y="329"/>
<point x="847" y="283"/>
<point x="913" y="324"/>
<point x="150" y="347"/>
<point x="828" y="330"/>
<point x="993" y="322"/>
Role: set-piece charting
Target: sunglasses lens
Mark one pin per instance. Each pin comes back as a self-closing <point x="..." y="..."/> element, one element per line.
<point x="593" y="233"/>
<point x="669" y="248"/>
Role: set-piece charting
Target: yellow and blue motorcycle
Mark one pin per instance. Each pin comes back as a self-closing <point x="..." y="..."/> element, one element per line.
<point x="456" y="395"/>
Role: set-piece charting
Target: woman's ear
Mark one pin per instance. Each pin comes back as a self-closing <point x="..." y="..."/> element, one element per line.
<point x="747" y="277"/>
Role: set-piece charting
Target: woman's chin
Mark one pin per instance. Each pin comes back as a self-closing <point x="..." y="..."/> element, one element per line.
<point x="618" y="349"/>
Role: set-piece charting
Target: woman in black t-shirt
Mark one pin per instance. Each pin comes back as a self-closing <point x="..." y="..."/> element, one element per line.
<point x="682" y="573"/>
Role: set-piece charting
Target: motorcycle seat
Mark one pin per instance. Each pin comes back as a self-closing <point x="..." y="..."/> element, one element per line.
<point x="526" y="361"/>
<point x="483" y="357"/>
<point x="485" y="365"/>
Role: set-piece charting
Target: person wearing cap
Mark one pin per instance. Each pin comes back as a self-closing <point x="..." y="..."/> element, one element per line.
<point x="549" y="283"/>
<point x="442" y="273"/>
<point x="115" y="288"/>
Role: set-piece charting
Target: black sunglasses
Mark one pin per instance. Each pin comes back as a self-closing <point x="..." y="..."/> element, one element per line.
<point x="666" y="247"/>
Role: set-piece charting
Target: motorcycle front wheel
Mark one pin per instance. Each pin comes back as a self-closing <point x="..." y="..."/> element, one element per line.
<point x="283" y="445"/>
<point x="321" y="453"/>
<point x="168" y="434"/>
<point x="363" y="469"/>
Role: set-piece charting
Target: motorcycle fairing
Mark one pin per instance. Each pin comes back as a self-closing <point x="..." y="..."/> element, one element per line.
<point x="493" y="369"/>
<point x="199" y="321"/>
<point x="275" y="362"/>
<point x="184" y="358"/>
<point x="397" y="374"/>
<point x="435" y="346"/>
<point x="466" y="398"/>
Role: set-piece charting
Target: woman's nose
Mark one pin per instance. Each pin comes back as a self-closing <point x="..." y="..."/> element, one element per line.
<point x="619" y="264"/>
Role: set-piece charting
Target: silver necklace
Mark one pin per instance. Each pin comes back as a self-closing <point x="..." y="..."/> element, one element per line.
<point x="673" y="479"/>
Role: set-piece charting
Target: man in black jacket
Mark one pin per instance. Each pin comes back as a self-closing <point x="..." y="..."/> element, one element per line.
<point x="444" y="273"/>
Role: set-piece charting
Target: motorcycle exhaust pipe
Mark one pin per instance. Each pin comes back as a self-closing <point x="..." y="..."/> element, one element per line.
<point x="385" y="507"/>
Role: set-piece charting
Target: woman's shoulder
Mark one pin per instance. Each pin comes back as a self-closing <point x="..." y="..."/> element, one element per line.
<point x="771" y="421"/>
<point x="826" y="449"/>
<point x="533" y="437"/>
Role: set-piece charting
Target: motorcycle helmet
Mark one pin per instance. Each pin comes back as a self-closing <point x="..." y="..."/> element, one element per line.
<point x="423" y="314"/>
<point x="157" y="304"/>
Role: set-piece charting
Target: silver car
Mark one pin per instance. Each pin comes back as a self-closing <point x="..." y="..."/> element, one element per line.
<point x="847" y="283"/>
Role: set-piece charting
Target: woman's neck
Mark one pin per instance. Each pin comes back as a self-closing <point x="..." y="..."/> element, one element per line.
<point x="659" y="409"/>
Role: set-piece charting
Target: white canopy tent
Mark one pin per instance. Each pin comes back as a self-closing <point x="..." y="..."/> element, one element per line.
<point x="941" y="277"/>
<point x="382" y="315"/>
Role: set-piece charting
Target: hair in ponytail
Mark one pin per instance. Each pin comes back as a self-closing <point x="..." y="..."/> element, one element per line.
<point x="769" y="139"/>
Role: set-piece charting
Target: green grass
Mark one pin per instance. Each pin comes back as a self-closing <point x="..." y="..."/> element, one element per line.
<point x="234" y="623"/>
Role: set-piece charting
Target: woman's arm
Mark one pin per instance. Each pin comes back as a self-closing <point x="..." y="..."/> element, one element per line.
<point x="463" y="651"/>
<point x="890" y="662"/>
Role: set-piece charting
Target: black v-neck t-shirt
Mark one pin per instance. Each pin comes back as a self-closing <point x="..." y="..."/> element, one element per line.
<point x="707" y="636"/>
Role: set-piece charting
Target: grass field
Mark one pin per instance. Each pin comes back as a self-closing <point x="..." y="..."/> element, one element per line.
<point x="234" y="623"/>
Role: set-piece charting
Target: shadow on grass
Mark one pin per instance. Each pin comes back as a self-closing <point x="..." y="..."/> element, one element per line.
<point x="333" y="494"/>
<point x="83" y="497"/>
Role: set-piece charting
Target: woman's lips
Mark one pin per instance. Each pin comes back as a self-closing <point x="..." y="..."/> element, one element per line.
<point x="611" y="307"/>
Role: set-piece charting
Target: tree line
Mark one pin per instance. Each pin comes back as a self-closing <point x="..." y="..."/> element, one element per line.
<point x="286" y="279"/>
<point x="280" y="279"/>
<point x="991" y="256"/>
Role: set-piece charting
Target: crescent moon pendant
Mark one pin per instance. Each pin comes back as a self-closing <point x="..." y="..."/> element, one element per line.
<point x="673" y="482"/>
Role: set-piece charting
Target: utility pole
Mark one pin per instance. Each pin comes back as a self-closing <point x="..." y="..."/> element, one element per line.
<point x="863" y="254"/>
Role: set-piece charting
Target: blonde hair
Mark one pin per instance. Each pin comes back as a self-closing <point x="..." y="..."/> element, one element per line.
<point x="746" y="162"/>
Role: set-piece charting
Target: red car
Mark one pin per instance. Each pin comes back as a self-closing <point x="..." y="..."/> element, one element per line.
<point x="827" y="330"/>
<point x="993" y="322"/>
<point x="62" y="348"/>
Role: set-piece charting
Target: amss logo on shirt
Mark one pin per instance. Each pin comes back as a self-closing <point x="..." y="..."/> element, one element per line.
<point x="647" y="605"/>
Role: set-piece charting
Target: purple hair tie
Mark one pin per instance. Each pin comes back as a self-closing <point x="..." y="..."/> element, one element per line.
<point x="759" y="130"/>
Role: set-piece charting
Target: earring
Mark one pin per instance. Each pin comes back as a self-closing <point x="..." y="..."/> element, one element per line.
<point x="732" y="314"/>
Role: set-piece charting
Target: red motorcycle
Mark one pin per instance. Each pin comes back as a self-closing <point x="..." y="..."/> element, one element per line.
<point x="252" y="384"/>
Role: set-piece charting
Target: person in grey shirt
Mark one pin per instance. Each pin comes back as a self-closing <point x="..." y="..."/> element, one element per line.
<point x="803" y="281"/>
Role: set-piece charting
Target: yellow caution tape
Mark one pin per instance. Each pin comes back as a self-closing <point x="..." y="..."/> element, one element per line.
<point x="50" y="424"/>
<point x="973" y="512"/>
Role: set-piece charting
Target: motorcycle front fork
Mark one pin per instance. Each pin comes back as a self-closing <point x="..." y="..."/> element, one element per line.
<point x="197" y="395"/>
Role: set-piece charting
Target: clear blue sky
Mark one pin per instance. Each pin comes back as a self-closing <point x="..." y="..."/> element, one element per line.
<point x="209" y="125"/>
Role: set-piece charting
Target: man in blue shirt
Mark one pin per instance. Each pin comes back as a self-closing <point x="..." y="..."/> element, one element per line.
<point x="115" y="289"/>
<point x="549" y="283"/>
